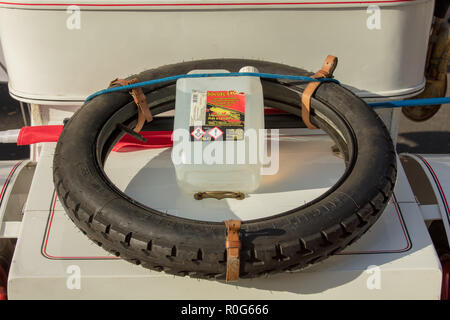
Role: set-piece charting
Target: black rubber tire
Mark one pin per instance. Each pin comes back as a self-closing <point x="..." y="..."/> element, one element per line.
<point x="286" y="241"/>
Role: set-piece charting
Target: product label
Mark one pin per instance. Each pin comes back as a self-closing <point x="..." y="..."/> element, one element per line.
<point x="217" y="116"/>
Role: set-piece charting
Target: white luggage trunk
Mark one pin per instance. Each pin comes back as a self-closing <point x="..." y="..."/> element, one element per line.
<point x="58" y="55"/>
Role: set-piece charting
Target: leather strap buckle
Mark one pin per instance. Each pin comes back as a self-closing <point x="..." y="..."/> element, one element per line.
<point x="144" y="114"/>
<point x="327" y="70"/>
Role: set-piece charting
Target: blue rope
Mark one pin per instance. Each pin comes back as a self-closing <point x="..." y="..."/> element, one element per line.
<point x="410" y="103"/>
<point x="208" y="75"/>
<point x="375" y="105"/>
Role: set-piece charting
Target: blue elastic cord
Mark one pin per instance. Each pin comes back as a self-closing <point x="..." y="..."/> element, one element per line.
<point x="410" y="103"/>
<point x="209" y="75"/>
<point x="375" y="105"/>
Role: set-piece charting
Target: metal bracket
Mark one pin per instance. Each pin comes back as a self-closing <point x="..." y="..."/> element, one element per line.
<point x="219" y="195"/>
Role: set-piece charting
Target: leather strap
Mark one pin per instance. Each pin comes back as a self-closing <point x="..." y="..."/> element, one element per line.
<point x="233" y="246"/>
<point x="327" y="70"/>
<point x="138" y="95"/>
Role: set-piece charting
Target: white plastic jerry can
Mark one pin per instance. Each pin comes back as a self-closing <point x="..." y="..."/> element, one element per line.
<point x="218" y="133"/>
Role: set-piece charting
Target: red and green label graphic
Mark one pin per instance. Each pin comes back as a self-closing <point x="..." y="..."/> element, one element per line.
<point x="217" y="115"/>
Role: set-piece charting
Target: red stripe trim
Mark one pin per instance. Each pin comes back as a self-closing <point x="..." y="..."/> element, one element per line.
<point x="7" y="179"/>
<point x="405" y="234"/>
<point x="438" y="183"/>
<point x="47" y="255"/>
<point x="201" y="4"/>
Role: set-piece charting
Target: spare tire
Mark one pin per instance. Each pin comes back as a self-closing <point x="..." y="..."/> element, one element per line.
<point x="286" y="241"/>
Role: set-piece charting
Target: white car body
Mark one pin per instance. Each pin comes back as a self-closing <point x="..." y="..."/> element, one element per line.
<point x="54" y="65"/>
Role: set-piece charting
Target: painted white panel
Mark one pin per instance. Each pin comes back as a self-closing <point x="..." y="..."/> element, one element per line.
<point x="49" y="62"/>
